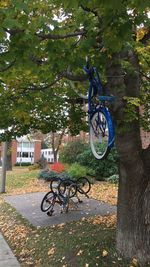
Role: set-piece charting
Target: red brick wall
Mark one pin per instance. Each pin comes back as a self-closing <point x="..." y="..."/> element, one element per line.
<point x="37" y="150"/>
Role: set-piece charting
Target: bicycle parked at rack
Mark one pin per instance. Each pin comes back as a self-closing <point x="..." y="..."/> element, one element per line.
<point x="63" y="192"/>
<point x="101" y="130"/>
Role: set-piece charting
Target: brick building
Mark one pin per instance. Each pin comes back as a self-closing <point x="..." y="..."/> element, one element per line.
<point x="24" y="150"/>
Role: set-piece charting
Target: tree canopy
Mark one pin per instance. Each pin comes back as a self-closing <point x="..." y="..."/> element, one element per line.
<point x="43" y="43"/>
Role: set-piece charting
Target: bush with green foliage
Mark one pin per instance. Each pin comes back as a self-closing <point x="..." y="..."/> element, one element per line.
<point x="64" y="175"/>
<point x="102" y="168"/>
<point x="114" y="179"/>
<point x="70" y="152"/>
<point x="23" y="164"/>
<point x="47" y="175"/>
<point x="76" y="170"/>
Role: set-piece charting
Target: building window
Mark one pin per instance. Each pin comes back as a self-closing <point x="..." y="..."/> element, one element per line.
<point x="18" y="154"/>
<point x="25" y="154"/>
<point x="26" y="144"/>
<point x="31" y="154"/>
<point x="32" y="145"/>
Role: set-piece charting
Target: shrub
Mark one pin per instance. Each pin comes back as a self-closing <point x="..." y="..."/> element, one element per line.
<point x="35" y="166"/>
<point x="114" y="179"/>
<point x="23" y="164"/>
<point x="76" y="170"/>
<point x="64" y="175"/>
<point x="42" y="162"/>
<point x="102" y="168"/>
<point x="57" y="167"/>
<point x="69" y="153"/>
<point x="47" y="175"/>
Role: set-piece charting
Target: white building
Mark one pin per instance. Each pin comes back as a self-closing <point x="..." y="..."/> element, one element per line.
<point x="48" y="154"/>
<point x="28" y="150"/>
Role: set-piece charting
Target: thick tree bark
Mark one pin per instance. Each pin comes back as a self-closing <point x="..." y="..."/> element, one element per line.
<point x="133" y="215"/>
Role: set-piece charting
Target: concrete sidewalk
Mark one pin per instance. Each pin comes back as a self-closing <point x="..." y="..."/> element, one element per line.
<point x="7" y="258"/>
<point x="28" y="205"/>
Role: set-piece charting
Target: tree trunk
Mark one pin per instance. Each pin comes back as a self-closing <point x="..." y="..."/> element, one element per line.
<point x="3" y="171"/>
<point x="56" y="143"/>
<point x="9" y="157"/>
<point x="133" y="213"/>
<point x="133" y="224"/>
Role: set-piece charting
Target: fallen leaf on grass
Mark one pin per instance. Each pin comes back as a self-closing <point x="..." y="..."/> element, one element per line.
<point x="51" y="251"/>
<point x="79" y="252"/>
<point x="104" y="253"/>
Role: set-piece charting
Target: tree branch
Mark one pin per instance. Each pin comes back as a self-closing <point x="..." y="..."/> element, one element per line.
<point x="13" y="31"/>
<point x="145" y="76"/>
<point x="48" y="35"/>
<point x="58" y="36"/>
<point x="87" y="9"/>
<point x="72" y="77"/>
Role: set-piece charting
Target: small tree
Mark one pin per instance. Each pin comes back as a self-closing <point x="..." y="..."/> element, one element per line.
<point x="70" y="152"/>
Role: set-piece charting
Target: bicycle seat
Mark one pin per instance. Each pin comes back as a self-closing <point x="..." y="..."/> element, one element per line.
<point x="106" y="98"/>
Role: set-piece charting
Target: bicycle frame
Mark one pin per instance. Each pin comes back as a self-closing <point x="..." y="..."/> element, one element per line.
<point x="96" y="88"/>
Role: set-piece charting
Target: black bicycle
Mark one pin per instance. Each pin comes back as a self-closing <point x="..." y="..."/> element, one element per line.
<point x="82" y="185"/>
<point x="63" y="192"/>
<point x="50" y="199"/>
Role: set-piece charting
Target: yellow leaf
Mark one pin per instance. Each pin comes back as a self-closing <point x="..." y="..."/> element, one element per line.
<point x="79" y="252"/>
<point x="104" y="253"/>
<point x="51" y="251"/>
<point x="135" y="262"/>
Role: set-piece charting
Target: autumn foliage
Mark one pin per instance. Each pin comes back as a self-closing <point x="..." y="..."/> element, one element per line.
<point x="57" y="167"/>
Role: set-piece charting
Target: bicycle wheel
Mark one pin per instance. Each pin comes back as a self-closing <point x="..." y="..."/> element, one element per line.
<point x="63" y="186"/>
<point x="99" y="135"/>
<point x="48" y="201"/>
<point x="54" y="184"/>
<point x="83" y="185"/>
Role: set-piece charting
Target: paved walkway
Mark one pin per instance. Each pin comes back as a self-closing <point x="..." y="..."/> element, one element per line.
<point x="7" y="258"/>
<point x="28" y="205"/>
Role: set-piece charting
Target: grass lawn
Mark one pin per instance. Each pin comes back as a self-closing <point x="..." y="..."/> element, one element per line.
<point x="86" y="243"/>
<point x="21" y="180"/>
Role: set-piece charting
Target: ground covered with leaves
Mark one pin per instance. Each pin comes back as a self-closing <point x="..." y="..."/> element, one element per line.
<point x="89" y="242"/>
<point x="86" y="243"/>
<point x="22" y="181"/>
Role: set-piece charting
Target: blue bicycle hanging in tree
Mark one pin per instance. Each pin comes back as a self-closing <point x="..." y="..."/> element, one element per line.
<point x="101" y="130"/>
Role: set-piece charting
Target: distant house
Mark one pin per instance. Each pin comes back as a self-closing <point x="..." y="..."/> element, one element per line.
<point x="25" y="150"/>
<point x="48" y="154"/>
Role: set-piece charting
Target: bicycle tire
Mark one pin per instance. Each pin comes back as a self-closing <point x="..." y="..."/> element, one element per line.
<point x="99" y="135"/>
<point x="85" y="185"/>
<point x="63" y="186"/>
<point x="48" y="199"/>
<point x="52" y="186"/>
